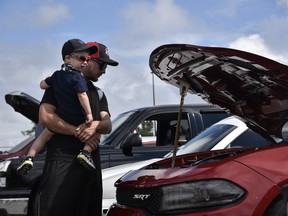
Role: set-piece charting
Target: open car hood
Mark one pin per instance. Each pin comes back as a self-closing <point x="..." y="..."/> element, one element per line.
<point x="247" y="85"/>
<point x="24" y="104"/>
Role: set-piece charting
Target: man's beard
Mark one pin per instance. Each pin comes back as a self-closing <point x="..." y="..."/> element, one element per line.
<point x="93" y="79"/>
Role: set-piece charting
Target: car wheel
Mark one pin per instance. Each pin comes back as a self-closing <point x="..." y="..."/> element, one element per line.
<point x="278" y="208"/>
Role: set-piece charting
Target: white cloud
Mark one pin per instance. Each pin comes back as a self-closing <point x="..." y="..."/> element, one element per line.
<point x="145" y="20"/>
<point x="255" y="44"/>
<point x="47" y="15"/>
<point x="282" y="2"/>
<point x="230" y="10"/>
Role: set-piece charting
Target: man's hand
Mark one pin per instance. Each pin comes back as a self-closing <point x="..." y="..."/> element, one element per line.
<point x="94" y="141"/>
<point x="85" y="132"/>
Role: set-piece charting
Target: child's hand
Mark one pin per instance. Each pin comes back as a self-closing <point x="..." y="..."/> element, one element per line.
<point x="89" y="119"/>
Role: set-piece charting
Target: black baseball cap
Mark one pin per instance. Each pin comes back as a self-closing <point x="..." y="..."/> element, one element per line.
<point x="102" y="54"/>
<point x="77" y="45"/>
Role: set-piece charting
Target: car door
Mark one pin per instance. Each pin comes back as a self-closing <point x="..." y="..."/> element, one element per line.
<point x="141" y="142"/>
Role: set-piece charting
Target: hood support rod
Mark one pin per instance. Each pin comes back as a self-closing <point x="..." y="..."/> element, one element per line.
<point x="183" y="91"/>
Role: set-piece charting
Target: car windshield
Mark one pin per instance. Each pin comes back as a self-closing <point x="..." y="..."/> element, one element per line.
<point x="207" y="139"/>
<point x="117" y="124"/>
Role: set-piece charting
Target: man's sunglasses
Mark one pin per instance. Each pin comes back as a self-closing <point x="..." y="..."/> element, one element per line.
<point x="81" y="58"/>
<point x="102" y="65"/>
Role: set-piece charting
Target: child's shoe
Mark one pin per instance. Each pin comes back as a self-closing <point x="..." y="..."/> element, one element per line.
<point x="85" y="159"/>
<point x="25" y="166"/>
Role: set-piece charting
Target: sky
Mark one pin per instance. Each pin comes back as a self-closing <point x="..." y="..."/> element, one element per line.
<point x="32" y="34"/>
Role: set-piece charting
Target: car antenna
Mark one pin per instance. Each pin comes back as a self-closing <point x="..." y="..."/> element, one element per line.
<point x="183" y="91"/>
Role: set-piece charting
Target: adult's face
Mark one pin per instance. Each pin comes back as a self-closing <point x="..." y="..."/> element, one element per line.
<point x="93" y="71"/>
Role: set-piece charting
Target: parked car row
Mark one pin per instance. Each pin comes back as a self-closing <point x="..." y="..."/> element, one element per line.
<point x="249" y="180"/>
<point x="124" y="144"/>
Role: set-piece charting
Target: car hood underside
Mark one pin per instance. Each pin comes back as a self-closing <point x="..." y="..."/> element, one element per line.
<point x="247" y="85"/>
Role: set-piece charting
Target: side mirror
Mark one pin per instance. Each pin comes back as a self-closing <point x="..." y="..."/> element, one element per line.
<point x="133" y="140"/>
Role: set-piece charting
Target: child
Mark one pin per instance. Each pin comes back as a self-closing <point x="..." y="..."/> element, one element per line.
<point x="67" y="83"/>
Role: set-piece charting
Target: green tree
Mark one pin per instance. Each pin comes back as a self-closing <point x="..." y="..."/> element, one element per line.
<point x="146" y="128"/>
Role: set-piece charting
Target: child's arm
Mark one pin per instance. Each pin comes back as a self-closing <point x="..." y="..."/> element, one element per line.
<point x="83" y="98"/>
<point x="43" y="84"/>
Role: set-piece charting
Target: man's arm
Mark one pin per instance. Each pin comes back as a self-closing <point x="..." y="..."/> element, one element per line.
<point x="44" y="85"/>
<point x="53" y="122"/>
<point x="104" y="126"/>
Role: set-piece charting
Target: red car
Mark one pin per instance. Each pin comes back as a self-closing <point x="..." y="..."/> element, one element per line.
<point x="236" y="181"/>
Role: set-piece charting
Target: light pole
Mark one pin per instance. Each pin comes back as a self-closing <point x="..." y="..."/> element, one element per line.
<point x="153" y="89"/>
<point x="153" y="95"/>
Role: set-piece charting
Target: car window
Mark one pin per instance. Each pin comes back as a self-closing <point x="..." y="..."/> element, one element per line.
<point x="206" y="140"/>
<point x="249" y="139"/>
<point x="160" y="129"/>
<point x="147" y="129"/>
<point x="210" y="118"/>
<point x="117" y="124"/>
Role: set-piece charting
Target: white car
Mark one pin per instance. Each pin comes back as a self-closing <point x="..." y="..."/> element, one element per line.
<point x="230" y="132"/>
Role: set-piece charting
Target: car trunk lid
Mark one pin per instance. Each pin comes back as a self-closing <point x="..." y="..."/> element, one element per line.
<point x="24" y="104"/>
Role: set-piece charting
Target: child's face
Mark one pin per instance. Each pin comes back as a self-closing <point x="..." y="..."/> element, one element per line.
<point x="78" y="60"/>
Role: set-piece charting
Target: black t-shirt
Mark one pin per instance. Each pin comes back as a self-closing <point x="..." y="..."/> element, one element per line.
<point x="64" y="147"/>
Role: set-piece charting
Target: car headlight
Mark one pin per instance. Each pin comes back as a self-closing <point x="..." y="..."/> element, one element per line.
<point x="4" y="165"/>
<point x="208" y="193"/>
<point x="3" y="169"/>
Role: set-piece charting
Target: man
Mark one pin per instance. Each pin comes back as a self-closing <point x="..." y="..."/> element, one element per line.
<point x="66" y="188"/>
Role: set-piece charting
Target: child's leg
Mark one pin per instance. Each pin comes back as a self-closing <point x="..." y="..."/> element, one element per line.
<point x="37" y="146"/>
<point x="85" y="158"/>
<point x="40" y="142"/>
<point x="87" y="148"/>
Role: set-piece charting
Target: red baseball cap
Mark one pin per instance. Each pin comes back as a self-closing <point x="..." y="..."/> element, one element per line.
<point x="102" y="54"/>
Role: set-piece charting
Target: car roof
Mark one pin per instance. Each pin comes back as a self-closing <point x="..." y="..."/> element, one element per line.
<point x="197" y="107"/>
<point x="28" y="106"/>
